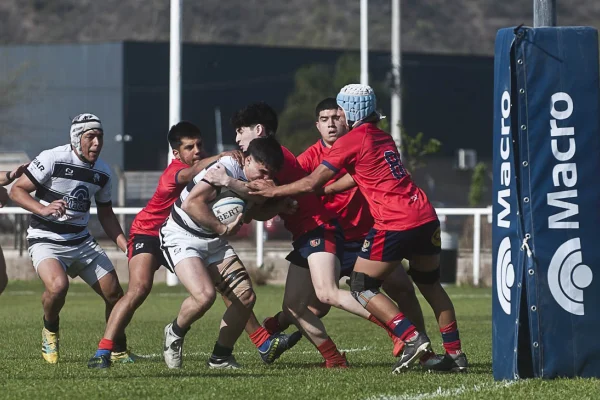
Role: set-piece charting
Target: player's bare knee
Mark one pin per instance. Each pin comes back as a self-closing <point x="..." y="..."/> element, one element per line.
<point x="364" y="287"/>
<point x="205" y="297"/>
<point x="137" y="294"/>
<point x="327" y="296"/>
<point x="57" y="288"/>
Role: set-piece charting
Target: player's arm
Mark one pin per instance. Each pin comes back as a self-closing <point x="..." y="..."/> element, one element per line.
<point x="8" y="177"/>
<point x="110" y="224"/>
<point x="218" y="176"/>
<point x="20" y="194"/>
<point x="270" y="208"/>
<point x="309" y="184"/>
<point x="346" y="182"/>
<point x="196" y="205"/>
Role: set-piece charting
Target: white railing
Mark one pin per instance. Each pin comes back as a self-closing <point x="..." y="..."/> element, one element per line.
<point x="476" y="213"/>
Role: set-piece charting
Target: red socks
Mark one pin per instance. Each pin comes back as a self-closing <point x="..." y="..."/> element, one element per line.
<point x="259" y="336"/>
<point x="401" y="326"/>
<point x="106" y="344"/>
<point x="451" y="338"/>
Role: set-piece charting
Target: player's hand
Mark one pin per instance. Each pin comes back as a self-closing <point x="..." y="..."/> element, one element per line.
<point x="57" y="209"/>
<point x="3" y="197"/>
<point x="217" y="176"/>
<point x="262" y="187"/>
<point x="17" y="172"/>
<point x="233" y="228"/>
<point x="288" y="206"/>
<point x="235" y="154"/>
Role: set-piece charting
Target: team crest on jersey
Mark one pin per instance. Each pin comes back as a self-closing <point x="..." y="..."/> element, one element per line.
<point x="436" y="239"/>
<point x="69" y="172"/>
<point x="96" y="177"/>
<point x="366" y="246"/>
<point x="315" y="242"/>
<point x="79" y="199"/>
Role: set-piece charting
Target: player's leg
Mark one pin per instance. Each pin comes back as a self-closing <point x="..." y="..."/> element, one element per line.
<point x="280" y="321"/>
<point x="295" y="301"/>
<point x="426" y="275"/>
<point x="3" y="275"/>
<point x="56" y="283"/>
<point x="145" y="258"/>
<point x="383" y="252"/>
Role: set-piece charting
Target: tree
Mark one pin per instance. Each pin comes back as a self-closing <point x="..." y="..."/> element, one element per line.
<point x="313" y="83"/>
<point x="415" y="148"/>
<point x="478" y="185"/>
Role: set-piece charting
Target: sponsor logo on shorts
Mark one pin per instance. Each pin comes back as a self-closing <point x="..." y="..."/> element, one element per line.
<point x="177" y="250"/>
<point x="139" y="246"/>
<point x="315" y="242"/>
<point x="96" y="177"/>
<point x="436" y="239"/>
<point x="366" y="246"/>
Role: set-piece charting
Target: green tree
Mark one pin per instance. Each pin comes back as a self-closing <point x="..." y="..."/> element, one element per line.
<point x="415" y="149"/>
<point x="313" y="83"/>
<point x="478" y="185"/>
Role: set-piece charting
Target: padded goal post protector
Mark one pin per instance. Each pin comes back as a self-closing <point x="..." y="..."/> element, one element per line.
<point x="546" y="203"/>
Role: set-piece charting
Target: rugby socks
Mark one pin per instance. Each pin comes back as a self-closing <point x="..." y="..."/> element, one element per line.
<point x="260" y="338"/>
<point x="220" y="352"/>
<point x="177" y="330"/>
<point x="272" y="325"/>
<point x="402" y="327"/>
<point x="51" y="326"/>
<point x="329" y="350"/>
<point x="105" y="347"/>
<point x="377" y="322"/>
<point x="120" y="344"/>
<point x="451" y="338"/>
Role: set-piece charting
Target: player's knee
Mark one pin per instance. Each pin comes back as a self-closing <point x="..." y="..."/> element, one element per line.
<point x="425" y="277"/>
<point x="57" y="288"/>
<point x="138" y="293"/>
<point x="205" y="297"/>
<point x="363" y="287"/>
<point x="248" y="298"/>
<point x="320" y="312"/>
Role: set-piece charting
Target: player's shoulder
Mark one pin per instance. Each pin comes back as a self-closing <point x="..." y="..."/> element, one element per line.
<point x="58" y="153"/>
<point x="102" y="167"/>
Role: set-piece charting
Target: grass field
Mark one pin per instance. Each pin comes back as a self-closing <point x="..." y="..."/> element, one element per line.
<point x="23" y="374"/>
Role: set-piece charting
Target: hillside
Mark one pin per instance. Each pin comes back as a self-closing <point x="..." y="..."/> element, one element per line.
<point x="440" y="26"/>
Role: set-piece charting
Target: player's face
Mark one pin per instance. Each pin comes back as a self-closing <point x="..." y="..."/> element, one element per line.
<point x="332" y="125"/>
<point x="91" y="144"/>
<point x="190" y="151"/>
<point x="246" y="134"/>
<point x="255" y="170"/>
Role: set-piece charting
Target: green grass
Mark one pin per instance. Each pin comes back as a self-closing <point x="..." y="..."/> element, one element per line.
<point x="23" y="374"/>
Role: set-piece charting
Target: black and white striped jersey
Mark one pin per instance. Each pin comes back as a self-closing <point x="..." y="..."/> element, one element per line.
<point x="59" y="174"/>
<point x="181" y="218"/>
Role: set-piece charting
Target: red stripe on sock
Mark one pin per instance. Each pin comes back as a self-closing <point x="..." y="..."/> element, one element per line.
<point x="106" y="344"/>
<point x="259" y="336"/>
<point x="377" y="322"/>
<point x="451" y="327"/>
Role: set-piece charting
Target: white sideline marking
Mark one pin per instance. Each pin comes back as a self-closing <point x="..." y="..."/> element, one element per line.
<point x="155" y="355"/>
<point x="443" y="393"/>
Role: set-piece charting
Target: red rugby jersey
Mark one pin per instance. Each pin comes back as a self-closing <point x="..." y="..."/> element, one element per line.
<point x="371" y="157"/>
<point x="150" y="219"/>
<point x="311" y="213"/>
<point x="350" y="206"/>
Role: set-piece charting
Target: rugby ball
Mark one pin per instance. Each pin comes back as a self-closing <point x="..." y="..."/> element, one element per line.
<point x="227" y="209"/>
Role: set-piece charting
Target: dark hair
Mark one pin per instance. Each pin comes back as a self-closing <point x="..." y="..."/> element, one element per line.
<point x="327" y="104"/>
<point x="254" y="114"/>
<point x="183" y="129"/>
<point x="266" y="150"/>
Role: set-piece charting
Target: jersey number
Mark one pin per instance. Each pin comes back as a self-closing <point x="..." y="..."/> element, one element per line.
<point x="393" y="160"/>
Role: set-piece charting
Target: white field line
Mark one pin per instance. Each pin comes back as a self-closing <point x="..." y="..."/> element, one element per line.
<point x="156" y="355"/>
<point x="446" y="393"/>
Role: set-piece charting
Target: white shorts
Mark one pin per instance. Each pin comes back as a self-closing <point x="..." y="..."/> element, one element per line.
<point x="87" y="260"/>
<point x="178" y="244"/>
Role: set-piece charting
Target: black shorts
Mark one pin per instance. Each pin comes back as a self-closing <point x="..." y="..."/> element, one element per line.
<point x="396" y="245"/>
<point x="139" y="244"/>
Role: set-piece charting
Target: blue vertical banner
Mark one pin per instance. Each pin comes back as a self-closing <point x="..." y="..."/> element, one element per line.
<point x="506" y="254"/>
<point x="555" y="127"/>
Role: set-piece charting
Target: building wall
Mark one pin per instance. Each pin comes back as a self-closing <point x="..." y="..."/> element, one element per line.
<point x="58" y="82"/>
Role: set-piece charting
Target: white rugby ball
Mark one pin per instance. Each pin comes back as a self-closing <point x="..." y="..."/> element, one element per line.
<point x="227" y="209"/>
